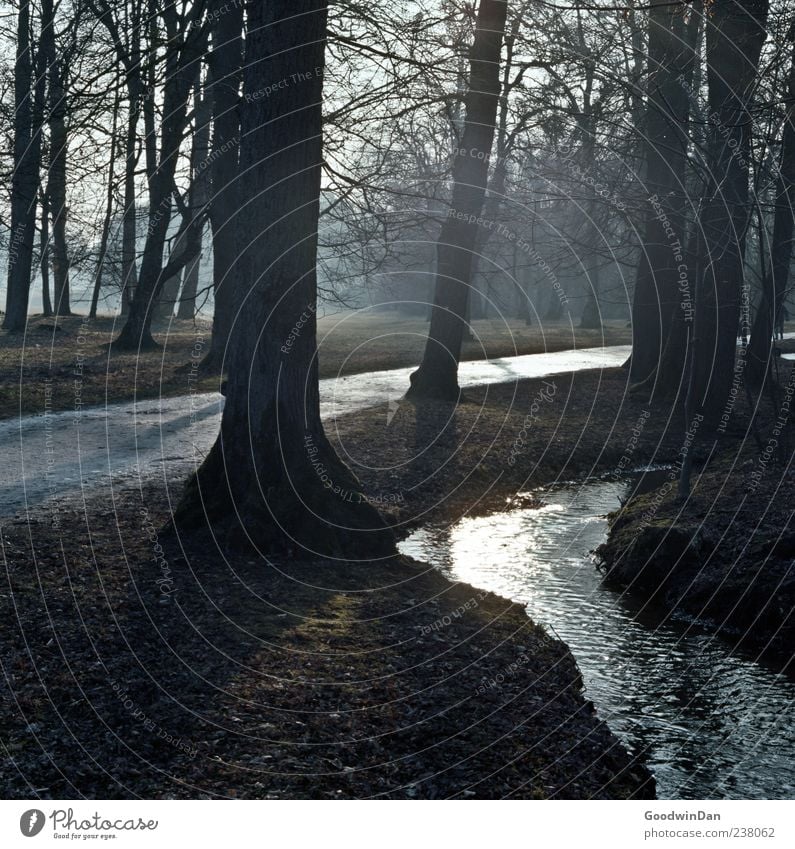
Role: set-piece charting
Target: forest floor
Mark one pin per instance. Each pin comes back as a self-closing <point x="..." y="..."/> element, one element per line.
<point x="47" y="358"/>
<point x="142" y="663"/>
<point x="723" y="559"/>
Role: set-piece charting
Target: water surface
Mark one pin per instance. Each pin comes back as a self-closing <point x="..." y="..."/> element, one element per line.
<point x="712" y="724"/>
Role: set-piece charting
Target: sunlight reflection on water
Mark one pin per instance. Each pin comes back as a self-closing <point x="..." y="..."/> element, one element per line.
<point x="712" y="724"/>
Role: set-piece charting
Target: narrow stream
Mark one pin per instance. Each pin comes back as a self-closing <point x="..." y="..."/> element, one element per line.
<point x="711" y="724"/>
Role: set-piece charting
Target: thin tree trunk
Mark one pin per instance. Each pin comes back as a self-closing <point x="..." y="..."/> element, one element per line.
<point x="56" y="181"/>
<point x="44" y="263"/>
<point x="181" y="70"/>
<point x="437" y="376"/>
<point x="129" y="247"/>
<point x="107" y="220"/>
<point x="272" y="479"/>
<point x="199" y="196"/>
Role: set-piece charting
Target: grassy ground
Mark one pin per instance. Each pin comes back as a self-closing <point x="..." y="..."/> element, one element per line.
<point x="348" y="344"/>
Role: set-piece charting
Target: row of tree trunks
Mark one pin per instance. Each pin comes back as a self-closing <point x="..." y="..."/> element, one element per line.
<point x="28" y="117"/>
<point x="187" y="39"/>
<point x="108" y="217"/>
<point x="735" y="35"/>
<point x="437" y="376"/>
<point x="56" y="179"/>
<point x="775" y="284"/>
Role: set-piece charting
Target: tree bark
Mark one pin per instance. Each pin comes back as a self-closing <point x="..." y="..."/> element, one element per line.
<point x="437" y="376"/>
<point x="185" y="52"/>
<point x="272" y="479"/>
<point x="735" y="35"/>
<point x="199" y="196"/>
<point x="44" y="262"/>
<point x="225" y="74"/>
<point x="672" y="51"/>
<point x="107" y="220"/>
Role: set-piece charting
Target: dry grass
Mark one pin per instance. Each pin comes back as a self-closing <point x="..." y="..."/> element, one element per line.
<point x="78" y="350"/>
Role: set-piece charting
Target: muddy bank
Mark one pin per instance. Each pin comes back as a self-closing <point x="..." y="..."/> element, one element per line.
<point x="149" y="665"/>
<point x="724" y="559"/>
<point x="144" y="665"/>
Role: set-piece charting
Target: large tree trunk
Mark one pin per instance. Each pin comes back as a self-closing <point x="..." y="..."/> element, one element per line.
<point x="272" y="479"/>
<point x="775" y="284"/>
<point x="672" y="51"/>
<point x="735" y="35"/>
<point x="437" y="376"/>
<point x="25" y="177"/>
<point x="225" y="67"/>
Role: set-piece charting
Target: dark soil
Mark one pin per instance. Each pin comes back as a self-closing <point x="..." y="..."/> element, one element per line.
<point x="201" y="673"/>
<point x="143" y="664"/>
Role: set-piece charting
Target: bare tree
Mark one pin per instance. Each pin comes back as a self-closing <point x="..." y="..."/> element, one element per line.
<point x="437" y="376"/>
<point x="266" y="477"/>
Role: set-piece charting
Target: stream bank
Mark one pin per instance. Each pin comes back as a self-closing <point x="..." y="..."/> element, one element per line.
<point x="145" y="665"/>
<point x="156" y="666"/>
